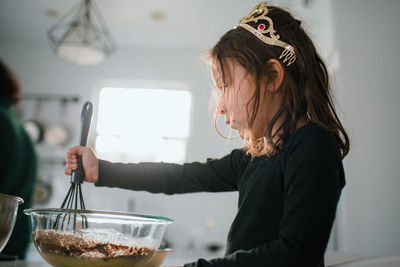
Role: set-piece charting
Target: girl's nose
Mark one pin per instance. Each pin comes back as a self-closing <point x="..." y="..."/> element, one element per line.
<point x="222" y="107"/>
<point x="222" y="110"/>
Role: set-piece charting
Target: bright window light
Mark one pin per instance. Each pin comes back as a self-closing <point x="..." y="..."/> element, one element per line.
<point x="143" y="124"/>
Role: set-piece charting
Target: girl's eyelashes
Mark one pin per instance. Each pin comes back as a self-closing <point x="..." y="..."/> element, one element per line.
<point x="222" y="88"/>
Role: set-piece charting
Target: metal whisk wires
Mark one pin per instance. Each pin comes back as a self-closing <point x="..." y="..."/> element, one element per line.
<point x="73" y="200"/>
<point x="74" y="196"/>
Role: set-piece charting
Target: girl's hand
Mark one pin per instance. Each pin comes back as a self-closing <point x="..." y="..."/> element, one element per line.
<point x="89" y="161"/>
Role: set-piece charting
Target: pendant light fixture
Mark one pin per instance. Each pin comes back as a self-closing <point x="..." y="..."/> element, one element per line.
<point x="81" y="36"/>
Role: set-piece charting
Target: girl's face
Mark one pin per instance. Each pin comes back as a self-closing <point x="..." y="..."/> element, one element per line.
<point x="235" y="95"/>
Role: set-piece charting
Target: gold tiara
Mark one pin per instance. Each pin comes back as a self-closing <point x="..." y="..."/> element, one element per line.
<point x="263" y="26"/>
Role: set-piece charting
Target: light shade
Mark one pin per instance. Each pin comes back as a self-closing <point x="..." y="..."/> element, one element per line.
<point x="81" y="36"/>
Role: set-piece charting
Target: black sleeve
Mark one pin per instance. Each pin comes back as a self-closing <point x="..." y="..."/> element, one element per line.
<point x="214" y="176"/>
<point x="313" y="179"/>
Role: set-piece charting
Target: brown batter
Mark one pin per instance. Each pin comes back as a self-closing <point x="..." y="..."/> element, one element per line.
<point x="67" y="249"/>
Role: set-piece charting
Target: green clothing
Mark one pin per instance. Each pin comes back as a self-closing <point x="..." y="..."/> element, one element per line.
<point x="18" y="172"/>
<point x="286" y="205"/>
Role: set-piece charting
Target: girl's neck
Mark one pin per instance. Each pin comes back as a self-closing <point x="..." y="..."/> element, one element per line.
<point x="300" y="123"/>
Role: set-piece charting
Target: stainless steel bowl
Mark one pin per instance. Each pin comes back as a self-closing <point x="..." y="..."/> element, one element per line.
<point x="66" y="237"/>
<point x="8" y="215"/>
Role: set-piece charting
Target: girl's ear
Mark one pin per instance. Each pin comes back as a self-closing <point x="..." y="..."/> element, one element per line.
<point x="278" y="73"/>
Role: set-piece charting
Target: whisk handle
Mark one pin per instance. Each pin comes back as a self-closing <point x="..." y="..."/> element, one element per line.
<point x="78" y="175"/>
<point x="86" y="118"/>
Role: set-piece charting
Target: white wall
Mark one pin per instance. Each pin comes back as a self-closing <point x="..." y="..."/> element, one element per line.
<point x="368" y="38"/>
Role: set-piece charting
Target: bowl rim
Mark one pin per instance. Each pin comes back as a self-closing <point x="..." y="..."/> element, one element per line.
<point x="99" y="212"/>
<point x="18" y="199"/>
<point x="165" y="250"/>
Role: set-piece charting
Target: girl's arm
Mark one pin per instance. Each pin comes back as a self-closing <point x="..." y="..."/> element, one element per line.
<point x="214" y="176"/>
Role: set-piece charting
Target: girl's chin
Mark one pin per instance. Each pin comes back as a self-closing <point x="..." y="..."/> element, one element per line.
<point x="241" y="134"/>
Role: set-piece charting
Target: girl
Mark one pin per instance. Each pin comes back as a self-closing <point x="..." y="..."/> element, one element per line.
<point x="275" y="92"/>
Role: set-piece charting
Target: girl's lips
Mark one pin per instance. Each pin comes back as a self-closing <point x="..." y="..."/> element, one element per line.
<point x="227" y="122"/>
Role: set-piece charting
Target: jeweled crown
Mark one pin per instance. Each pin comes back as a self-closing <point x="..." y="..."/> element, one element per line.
<point x="259" y="24"/>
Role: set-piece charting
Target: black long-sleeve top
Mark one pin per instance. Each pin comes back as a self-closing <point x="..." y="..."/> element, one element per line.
<point x="286" y="206"/>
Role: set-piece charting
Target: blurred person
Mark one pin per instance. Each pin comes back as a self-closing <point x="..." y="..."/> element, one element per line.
<point x="275" y="92"/>
<point x="18" y="162"/>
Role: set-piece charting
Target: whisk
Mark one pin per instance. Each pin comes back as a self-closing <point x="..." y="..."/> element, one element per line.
<point x="74" y="198"/>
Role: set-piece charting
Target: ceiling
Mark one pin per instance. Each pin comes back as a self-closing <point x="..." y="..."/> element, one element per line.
<point x="183" y="23"/>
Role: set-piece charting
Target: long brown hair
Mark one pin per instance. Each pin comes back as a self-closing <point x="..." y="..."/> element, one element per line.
<point x="306" y="84"/>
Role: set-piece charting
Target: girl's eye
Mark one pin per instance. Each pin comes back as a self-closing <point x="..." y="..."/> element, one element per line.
<point x="222" y="88"/>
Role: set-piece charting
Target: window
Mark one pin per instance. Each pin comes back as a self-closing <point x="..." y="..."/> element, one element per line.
<point x="143" y="124"/>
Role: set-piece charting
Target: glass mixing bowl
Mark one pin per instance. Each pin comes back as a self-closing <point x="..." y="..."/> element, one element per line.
<point x="67" y="237"/>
